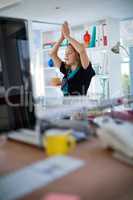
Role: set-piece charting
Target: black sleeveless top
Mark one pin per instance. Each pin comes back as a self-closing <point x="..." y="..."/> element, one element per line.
<point x="76" y="82"/>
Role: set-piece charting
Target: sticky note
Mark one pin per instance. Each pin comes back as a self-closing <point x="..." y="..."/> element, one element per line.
<point x="58" y="196"/>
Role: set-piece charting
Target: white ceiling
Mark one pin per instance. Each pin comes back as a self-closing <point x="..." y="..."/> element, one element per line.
<point x="74" y="11"/>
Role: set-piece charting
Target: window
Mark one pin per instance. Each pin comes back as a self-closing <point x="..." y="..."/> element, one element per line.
<point x="126" y="35"/>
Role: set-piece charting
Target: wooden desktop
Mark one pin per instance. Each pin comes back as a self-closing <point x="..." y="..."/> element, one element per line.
<point x="102" y="177"/>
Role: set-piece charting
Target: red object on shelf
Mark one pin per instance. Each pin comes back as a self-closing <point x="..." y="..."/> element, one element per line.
<point x="105" y="40"/>
<point x="87" y="38"/>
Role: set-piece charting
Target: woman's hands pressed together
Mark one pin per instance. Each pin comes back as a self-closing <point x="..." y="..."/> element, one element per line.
<point x="65" y="30"/>
<point x="62" y="37"/>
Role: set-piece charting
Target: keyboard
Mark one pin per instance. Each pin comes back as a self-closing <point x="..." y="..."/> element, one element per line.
<point x="26" y="136"/>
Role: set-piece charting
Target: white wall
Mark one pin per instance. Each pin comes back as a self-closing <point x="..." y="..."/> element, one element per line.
<point x="75" y="11"/>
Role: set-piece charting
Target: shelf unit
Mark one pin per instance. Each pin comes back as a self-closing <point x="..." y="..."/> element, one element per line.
<point x="105" y="63"/>
<point x="51" y="91"/>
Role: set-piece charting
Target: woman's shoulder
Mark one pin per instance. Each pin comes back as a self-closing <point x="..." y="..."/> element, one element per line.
<point x="89" y="69"/>
<point x="64" y="68"/>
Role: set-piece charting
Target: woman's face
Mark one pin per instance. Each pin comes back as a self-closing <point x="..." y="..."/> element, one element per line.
<point x="70" y="56"/>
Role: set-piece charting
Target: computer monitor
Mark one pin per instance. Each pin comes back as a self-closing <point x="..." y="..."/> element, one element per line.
<point x="16" y="99"/>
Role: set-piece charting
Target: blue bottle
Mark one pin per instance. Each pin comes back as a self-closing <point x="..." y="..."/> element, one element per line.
<point x="93" y="37"/>
<point x="50" y="63"/>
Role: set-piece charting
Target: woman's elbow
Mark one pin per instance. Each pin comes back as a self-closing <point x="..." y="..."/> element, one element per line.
<point x="52" y="54"/>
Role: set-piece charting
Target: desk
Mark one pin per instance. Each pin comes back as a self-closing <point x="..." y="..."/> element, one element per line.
<point x="102" y="178"/>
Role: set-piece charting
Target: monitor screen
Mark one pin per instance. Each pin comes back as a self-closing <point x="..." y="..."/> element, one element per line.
<point x="16" y="99"/>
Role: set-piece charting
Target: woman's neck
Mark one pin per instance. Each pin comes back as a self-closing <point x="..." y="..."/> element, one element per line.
<point x="74" y="66"/>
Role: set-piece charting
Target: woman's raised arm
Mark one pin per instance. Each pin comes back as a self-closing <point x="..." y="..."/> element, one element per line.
<point x="77" y="46"/>
<point x="54" y="52"/>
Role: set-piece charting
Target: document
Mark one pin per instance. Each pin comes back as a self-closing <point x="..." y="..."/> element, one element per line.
<point x="24" y="181"/>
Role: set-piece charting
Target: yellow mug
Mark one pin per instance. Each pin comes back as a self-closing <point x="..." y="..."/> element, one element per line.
<point x="58" y="142"/>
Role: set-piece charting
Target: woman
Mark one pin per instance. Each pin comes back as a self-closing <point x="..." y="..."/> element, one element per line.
<point x="77" y="68"/>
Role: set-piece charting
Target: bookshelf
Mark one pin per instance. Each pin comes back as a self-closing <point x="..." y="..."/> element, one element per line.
<point x="105" y="63"/>
<point x="42" y="73"/>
